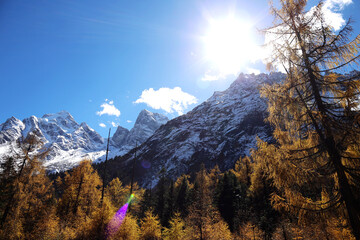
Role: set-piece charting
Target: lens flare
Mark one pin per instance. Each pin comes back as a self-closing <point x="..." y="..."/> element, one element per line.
<point x="117" y="220"/>
<point x="145" y="164"/>
<point x="119" y="217"/>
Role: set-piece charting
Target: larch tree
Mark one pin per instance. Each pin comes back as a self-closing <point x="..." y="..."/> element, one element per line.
<point x="134" y="206"/>
<point x="26" y="193"/>
<point x="315" y="113"/>
<point x="242" y="170"/>
<point x="250" y="231"/>
<point x="201" y="211"/>
<point x="116" y="193"/>
<point x="38" y="204"/>
<point x="81" y="198"/>
<point x="129" y="229"/>
<point x="14" y="177"/>
<point x="150" y="227"/>
<point x="204" y="218"/>
<point x="176" y="230"/>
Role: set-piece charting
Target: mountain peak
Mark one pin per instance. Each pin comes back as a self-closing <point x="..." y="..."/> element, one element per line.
<point x="144" y="114"/>
<point x="119" y="137"/>
<point x="145" y="111"/>
<point x="11" y="122"/>
<point x="67" y="141"/>
<point x="61" y="114"/>
<point x="146" y="124"/>
<point x="147" y="117"/>
<point x="216" y="132"/>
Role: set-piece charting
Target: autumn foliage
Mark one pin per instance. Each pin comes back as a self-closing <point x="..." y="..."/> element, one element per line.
<point x="303" y="185"/>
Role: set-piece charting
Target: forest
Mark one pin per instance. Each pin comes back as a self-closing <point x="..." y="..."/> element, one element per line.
<point x="236" y="204"/>
<point x="304" y="185"/>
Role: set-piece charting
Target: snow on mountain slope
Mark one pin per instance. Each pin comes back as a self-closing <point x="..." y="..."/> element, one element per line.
<point x="11" y="130"/>
<point x="145" y="125"/>
<point x="68" y="142"/>
<point x="218" y="131"/>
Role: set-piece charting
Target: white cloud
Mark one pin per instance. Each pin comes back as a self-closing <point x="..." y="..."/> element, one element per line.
<point x="208" y="77"/>
<point x="332" y="16"/>
<point x="128" y="121"/>
<point x="331" y="10"/>
<point x="109" y="109"/>
<point x="111" y="102"/>
<point x="167" y="99"/>
<point x="102" y="125"/>
<point x="253" y="70"/>
<point x="114" y="124"/>
<point x="337" y="4"/>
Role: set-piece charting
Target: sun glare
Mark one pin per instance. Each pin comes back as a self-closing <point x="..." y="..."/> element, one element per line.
<point x="228" y="44"/>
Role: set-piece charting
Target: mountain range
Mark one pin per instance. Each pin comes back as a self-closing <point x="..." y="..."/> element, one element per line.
<point x="68" y="142"/>
<point x="216" y="132"/>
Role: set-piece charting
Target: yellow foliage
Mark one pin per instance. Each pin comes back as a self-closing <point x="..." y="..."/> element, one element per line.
<point x="81" y="198"/>
<point x="177" y="229"/>
<point x="242" y="170"/>
<point x="116" y="193"/>
<point x="47" y="228"/>
<point x="150" y="227"/>
<point x="138" y="192"/>
<point x="317" y="230"/>
<point x="249" y="231"/>
<point x="28" y="202"/>
<point x="219" y="230"/>
<point x="129" y="229"/>
<point x="315" y="114"/>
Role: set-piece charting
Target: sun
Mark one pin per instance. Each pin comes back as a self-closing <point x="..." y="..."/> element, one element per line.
<point x="228" y="44"/>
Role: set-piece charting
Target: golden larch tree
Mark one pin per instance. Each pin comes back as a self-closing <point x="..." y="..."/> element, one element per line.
<point x="315" y="113"/>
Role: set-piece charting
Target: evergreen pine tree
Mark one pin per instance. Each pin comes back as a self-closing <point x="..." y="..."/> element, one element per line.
<point x="161" y="196"/>
<point x="170" y="201"/>
<point x="227" y="200"/>
<point x="182" y="201"/>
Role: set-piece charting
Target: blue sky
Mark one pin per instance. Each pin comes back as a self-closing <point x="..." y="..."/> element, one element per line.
<point x="105" y="61"/>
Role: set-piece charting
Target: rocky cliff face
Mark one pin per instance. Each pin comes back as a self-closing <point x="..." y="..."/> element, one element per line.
<point x="218" y="131"/>
<point x="145" y="125"/>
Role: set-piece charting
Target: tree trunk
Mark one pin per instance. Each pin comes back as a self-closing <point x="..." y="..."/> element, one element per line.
<point x="78" y="195"/>
<point x="328" y="140"/>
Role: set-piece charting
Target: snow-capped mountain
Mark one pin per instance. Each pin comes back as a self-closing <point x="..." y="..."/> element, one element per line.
<point x="218" y="131"/>
<point x="145" y="126"/>
<point x="68" y="142"/>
